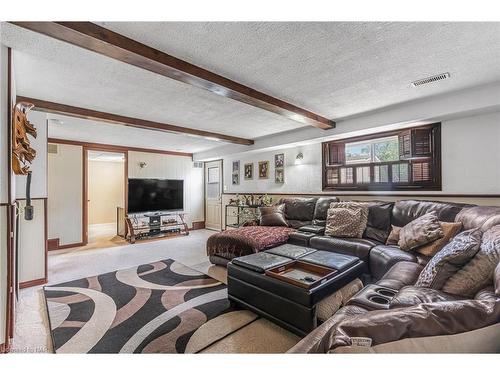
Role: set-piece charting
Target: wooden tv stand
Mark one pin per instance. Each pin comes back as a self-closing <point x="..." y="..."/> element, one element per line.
<point x="149" y="226"/>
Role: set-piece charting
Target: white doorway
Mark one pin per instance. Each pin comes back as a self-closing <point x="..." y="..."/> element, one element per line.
<point x="105" y="192"/>
<point x="213" y="195"/>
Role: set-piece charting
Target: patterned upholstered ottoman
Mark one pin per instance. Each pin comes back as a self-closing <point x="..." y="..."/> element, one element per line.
<point x="229" y="244"/>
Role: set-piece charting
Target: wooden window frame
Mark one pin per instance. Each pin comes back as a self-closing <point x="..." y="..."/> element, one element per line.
<point x="434" y="160"/>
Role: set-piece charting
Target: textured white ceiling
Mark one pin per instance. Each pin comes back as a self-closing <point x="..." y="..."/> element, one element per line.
<point x="76" y="129"/>
<point x="336" y="69"/>
<point x="333" y="69"/>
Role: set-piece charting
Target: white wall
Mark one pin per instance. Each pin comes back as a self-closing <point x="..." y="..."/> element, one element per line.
<point x="65" y="174"/>
<point x="474" y="172"/>
<point x="31" y="258"/>
<point x="173" y="167"/>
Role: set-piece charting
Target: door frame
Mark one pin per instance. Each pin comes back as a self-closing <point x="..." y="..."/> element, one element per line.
<point x="205" y="189"/>
<point x="85" y="194"/>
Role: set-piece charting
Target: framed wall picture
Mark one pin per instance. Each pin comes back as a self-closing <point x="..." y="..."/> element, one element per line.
<point x="279" y="160"/>
<point x="236" y="179"/>
<point x="279" y="175"/>
<point x="236" y="166"/>
<point x="263" y="169"/>
<point x="248" y="169"/>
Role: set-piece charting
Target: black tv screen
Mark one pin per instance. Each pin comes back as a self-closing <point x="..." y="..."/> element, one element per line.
<point x="148" y="194"/>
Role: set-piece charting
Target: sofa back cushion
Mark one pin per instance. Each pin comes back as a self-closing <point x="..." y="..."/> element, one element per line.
<point x="321" y="208"/>
<point x="408" y="210"/>
<point x="483" y="217"/>
<point x="378" y="225"/>
<point x="299" y="211"/>
<point x="450" y="259"/>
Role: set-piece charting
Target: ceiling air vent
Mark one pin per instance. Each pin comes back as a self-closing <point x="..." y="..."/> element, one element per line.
<point x="424" y="81"/>
<point x="52" y="148"/>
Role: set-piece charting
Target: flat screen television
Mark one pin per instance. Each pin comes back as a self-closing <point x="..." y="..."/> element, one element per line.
<point x="154" y="195"/>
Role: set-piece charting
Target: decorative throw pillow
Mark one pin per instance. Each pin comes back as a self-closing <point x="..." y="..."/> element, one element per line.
<point x="378" y="225"/>
<point x="478" y="273"/>
<point x="393" y="238"/>
<point x="450" y="259"/>
<point x="450" y="230"/>
<point x="420" y="231"/>
<point x="273" y="216"/>
<point x="346" y="219"/>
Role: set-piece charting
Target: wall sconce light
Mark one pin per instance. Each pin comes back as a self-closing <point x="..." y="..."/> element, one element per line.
<point x="143" y="164"/>
<point x="299" y="156"/>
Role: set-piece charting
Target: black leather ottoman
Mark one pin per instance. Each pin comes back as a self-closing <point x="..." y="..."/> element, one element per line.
<point x="287" y="305"/>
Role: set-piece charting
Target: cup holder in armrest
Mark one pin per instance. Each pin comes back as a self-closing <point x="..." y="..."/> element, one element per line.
<point x="373" y="297"/>
<point x="379" y="299"/>
<point x="386" y="292"/>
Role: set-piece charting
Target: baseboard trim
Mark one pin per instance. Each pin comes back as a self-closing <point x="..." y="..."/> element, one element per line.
<point x="31" y="283"/>
<point x="53" y="244"/>
<point x="198" y="225"/>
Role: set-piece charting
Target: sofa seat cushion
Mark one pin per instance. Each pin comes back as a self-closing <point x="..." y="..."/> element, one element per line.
<point x="412" y="295"/>
<point x="260" y="262"/>
<point x="383" y="257"/>
<point x="316" y="229"/>
<point x="331" y="260"/>
<point x="358" y="247"/>
<point x="400" y="275"/>
<point x="291" y="251"/>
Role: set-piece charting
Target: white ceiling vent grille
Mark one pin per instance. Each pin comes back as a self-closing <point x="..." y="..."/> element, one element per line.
<point x="52" y="148"/>
<point x="424" y="81"/>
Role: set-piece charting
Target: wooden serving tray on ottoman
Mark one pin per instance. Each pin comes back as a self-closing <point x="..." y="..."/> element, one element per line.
<point x="302" y="274"/>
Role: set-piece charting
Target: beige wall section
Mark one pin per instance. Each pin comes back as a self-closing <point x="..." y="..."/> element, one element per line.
<point x="3" y="271"/>
<point x="65" y="174"/>
<point x="31" y="258"/>
<point x="173" y="167"/>
<point x="105" y="190"/>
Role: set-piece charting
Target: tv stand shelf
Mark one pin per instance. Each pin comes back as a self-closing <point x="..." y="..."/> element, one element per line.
<point x="148" y="226"/>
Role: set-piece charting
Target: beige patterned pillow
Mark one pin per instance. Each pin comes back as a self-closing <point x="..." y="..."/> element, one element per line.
<point x="346" y="219"/>
<point x="450" y="259"/>
<point x="478" y="273"/>
<point x="420" y="231"/>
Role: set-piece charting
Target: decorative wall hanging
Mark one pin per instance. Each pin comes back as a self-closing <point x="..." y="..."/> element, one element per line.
<point x="236" y="173"/>
<point x="279" y="175"/>
<point x="279" y="160"/>
<point x="249" y="171"/>
<point x="263" y="169"/>
<point x="22" y="153"/>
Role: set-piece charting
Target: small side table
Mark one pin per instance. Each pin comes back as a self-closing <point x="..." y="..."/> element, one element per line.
<point x="240" y="214"/>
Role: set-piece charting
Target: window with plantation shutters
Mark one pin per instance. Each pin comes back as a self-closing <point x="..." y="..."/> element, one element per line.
<point x="408" y="159"/>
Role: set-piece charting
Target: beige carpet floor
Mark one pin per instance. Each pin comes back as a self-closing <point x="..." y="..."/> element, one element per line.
<point x="32" y="329"/>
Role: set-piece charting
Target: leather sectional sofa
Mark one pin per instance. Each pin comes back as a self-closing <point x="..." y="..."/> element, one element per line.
<point x="421" y="319"/>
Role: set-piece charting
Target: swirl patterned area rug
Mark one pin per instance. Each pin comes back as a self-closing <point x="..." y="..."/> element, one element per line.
<point x="162" y="307"/>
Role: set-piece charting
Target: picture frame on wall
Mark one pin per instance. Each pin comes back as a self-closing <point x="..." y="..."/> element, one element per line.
<point x="236" y="166"/>
<point x="279" y="175"/>
<point x="279" y="160"/>
<point x="263" y="169"/>
<point x="236" y="179"/>
<point x="248" y="171"/>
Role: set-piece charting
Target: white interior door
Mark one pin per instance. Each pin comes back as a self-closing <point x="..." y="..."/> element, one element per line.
<point x="213" y="195"/>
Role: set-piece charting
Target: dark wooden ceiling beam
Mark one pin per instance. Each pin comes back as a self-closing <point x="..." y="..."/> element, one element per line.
<point x="106" y="42"/>
<point x="90" y="114"/>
